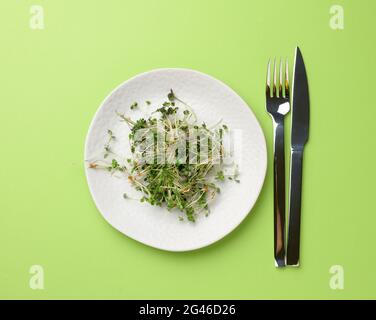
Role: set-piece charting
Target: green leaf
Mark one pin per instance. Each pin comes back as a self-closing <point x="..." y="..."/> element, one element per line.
<point x="171" y="96"/>
<point x="220" y="176"/>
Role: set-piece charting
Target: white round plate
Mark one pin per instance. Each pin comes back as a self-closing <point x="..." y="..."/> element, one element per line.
<point x="211" y="100"/>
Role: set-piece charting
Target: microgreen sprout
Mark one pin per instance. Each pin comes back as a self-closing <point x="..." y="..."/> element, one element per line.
<point x="220" y="176"/>
<point x="107" y="146"/>
<point x="134" y="106"/>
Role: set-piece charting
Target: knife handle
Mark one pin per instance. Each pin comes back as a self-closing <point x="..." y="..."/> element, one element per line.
<point x="279" y="193"/>
<point x="293" y="243"/>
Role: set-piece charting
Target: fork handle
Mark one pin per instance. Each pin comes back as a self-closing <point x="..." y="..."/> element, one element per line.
<point x="279" y="192"/>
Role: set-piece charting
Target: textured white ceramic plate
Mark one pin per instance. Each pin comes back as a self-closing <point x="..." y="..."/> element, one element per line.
<point x="212" y="100"/>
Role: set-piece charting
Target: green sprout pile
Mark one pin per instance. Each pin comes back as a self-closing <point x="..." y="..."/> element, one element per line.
<point x="172" y="171"/>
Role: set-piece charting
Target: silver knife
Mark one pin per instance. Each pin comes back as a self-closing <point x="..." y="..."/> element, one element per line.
<point x="299" y="137"/>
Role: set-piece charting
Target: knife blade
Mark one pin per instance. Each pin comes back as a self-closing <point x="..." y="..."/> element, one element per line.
<point x="299" y="137"/>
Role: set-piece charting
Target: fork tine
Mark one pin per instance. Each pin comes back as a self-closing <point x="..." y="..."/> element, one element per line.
<point x="268" y="80"/>
<point x="280" y="79"/>
<point x="275" y="79"/>
<point x="287" y="84"/>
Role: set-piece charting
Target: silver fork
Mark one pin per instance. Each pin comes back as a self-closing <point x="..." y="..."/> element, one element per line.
<point x="278" y="105"/>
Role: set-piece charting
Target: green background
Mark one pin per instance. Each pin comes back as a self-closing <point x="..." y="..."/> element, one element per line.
<point x="53" y="80"/>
